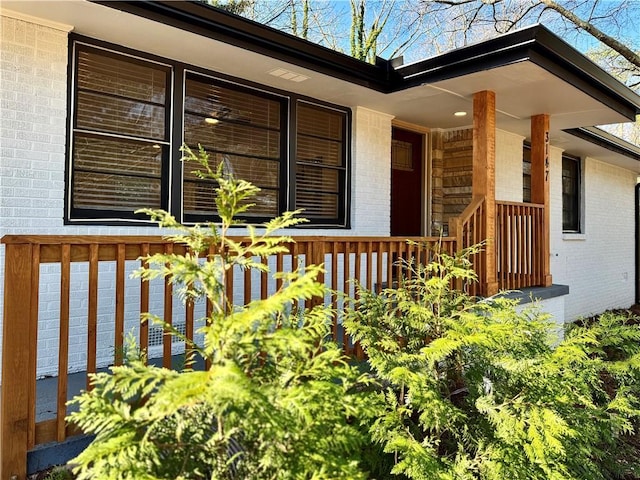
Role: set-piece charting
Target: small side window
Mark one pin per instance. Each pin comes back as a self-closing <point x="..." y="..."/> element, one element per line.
<point x="570" y="194"/>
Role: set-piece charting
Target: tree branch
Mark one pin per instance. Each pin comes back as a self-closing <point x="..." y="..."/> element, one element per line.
<point x="611" y="42"/>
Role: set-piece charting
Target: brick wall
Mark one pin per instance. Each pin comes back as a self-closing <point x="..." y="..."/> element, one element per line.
<point x="598" y="263"/>
<point x="371" y="173"/>
<point x="508" y="166"/>
<point x="452" y="159"/>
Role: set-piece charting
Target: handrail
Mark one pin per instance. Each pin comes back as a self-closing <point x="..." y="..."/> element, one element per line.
<point x="469" y="230"/>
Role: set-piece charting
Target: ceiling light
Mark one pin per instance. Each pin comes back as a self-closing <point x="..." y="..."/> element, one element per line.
<point x="460" y="114"/>
<point x="211" y="121"/>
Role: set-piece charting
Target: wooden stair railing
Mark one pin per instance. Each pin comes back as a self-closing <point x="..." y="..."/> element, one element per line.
<point x="468" y="229"/>
<point x="519" y="234"/>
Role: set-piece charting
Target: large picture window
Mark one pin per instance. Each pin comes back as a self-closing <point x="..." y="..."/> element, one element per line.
<point x="133" y="112"/>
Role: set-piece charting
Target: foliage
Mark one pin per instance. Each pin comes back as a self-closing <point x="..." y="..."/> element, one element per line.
<point x="59" y="473"/>
<point x="477" y="390"/>
<point x="278" y="400"/>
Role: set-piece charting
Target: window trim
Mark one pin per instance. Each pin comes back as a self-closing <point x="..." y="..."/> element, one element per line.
<point x="172" y="168"/>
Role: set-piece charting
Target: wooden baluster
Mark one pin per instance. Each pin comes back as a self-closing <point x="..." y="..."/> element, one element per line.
<point x="119" y="313"/>
<point x="346" y="341"/>
<point x="63" y="348"/>
<point x="369" y="266"/>
<point x="92" y="313"/>
<point x="264" y="279"/>
<point x="33" y="352"/>
<point x="247" y="286"/>
<point x="279" y="268"/>
<point x="189" y="352"/>
<point x="228" y="288"/>
<point x="379" y="266"/>
<point x="167" y="338"/>
<point x="144" y="304"/>
<point x="390" y="253"/>
<point x="358" y="275"/>
<point x="334" y="286"/>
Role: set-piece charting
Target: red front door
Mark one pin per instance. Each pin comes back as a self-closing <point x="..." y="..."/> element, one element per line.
<point x="406" y="183"/>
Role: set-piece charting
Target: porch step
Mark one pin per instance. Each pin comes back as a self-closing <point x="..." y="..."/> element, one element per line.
<point x="54" y="453"/>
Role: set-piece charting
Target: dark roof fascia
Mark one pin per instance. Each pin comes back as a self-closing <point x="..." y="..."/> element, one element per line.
<point x="217" y="24"/>
<point x="537" y="45"/>
<point x="606" y="140"/>
<point x="495" y="52"/>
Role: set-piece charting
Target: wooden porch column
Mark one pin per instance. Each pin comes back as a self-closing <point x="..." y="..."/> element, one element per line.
<point x="484" y="179"/>
<point x="540" y="185"/>
<point x="17" y="401"/>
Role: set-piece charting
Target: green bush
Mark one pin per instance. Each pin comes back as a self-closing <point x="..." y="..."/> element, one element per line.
<point x="477" y="390"/>
<point x="279" y="401"/>
<point x="458" y="389"/>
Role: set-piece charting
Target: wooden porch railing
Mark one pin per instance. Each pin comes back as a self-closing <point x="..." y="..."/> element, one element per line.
<point x="90" y="277"/>
<point x="519" y="231"/>
<point x="519" y="235"/>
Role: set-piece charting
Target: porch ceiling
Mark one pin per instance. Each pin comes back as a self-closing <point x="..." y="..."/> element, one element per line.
<point x="523" y="88"/>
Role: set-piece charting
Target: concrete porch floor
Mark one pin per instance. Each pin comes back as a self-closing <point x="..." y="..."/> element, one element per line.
<point x="54" y="453"/>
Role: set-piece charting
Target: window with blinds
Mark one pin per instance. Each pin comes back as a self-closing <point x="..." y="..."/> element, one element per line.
<point x="243" y="130"/>
<point x="570" y="194"/>
<point x="120" y="138"/>
<point x="320" y="162"/>
<point x="131" y="112"/>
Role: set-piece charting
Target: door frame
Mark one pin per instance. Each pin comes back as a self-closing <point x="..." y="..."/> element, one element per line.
<point x="425" y="181"/>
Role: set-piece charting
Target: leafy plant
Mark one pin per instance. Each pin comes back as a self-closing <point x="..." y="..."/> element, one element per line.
<point x="278" y="400"/>
<point x="480" y="390"/>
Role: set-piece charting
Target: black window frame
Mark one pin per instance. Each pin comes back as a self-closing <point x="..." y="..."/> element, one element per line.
<point x="172" y="167"/>
<point x="575" y="197"/>
<point x="526" y="176"/>
<point x="75" y="215"/>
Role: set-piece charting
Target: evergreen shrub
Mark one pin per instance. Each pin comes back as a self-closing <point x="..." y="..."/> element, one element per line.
<point x="482" y="390"/>
<point x="278" y="401"/>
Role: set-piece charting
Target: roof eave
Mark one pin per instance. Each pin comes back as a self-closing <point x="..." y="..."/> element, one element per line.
<point x="535" y="44"/>
<point x="217" y="24"/>
<point x="606" y="140"/>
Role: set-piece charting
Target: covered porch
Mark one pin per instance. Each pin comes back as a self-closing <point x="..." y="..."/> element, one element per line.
<point x="73" y="294"/>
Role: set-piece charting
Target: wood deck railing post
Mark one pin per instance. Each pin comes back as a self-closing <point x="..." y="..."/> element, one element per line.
<point x="484" y="181"/>
<point x="540" y="186"/>
<point x="16" y="345"/>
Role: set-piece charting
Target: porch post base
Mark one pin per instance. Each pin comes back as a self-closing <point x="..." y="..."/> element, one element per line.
<point x="492" y="288"/>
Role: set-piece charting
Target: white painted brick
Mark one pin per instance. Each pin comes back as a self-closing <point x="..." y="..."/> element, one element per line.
<point x="508" y="166"/>
<point x="593" y="264"/>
